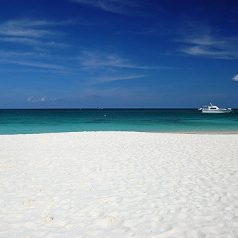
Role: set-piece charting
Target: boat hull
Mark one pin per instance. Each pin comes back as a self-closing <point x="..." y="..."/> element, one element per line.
<point x="216" y="112"/>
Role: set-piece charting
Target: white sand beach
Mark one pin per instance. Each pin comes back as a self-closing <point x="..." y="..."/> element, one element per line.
<point x="118" y="185"/>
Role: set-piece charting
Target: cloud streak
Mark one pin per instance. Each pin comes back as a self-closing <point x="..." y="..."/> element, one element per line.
<point x="39" y="36"/>
<point x="104" y="67"/>
<point x="31" y="32"/>
<point x="25" y="28"/>
<point x="32" y="42"/>
<point x="34" y="99"/>
<point x="30" y="59"/>
<point x="96" y="60"/>
<point x="235" y="78"/>
<point x="124" y="7"/>
<point x="39" y="65"/>
<point x="204" y="44"/>
<point x="106" y="79"/>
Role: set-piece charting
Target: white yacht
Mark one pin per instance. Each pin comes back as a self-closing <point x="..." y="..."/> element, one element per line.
<point x="214" y="109"/>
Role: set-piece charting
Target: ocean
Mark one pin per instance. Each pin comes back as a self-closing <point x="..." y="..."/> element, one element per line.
<point x="142" y="120"/>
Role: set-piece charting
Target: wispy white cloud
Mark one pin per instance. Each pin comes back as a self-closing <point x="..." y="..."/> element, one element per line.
<point x="39" y="65"/>
<point x="95" y="60"/>
<point x="199" y="50"/>
<point x="226" y="53"/>
<point x="120" y="78"/>
<point x="25" y="28"/>
<point x="104" y="67"/>
<point x="41" y="36"/>
<point x="21" y="40"/>
<point x="125" y="7"/>
<point x="29" y="59"/>
<point x="32" y="61"/>
<point x="34" y="99"/>
<point x="12" y="54"/>
<point x="235" y="78"/>
<point x="29" y="27"/>
<point x="32" y="32"/>
<point x="32" y="42"/>
<point x="204" y="39"/>
<point x="206" y="44"/>
<point x="40" y="99"/>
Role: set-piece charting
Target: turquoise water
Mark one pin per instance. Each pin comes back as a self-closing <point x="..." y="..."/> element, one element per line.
<point x="153" y="120"/>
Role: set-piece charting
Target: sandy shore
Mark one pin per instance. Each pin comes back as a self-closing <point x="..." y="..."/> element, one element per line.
<point x="118" y="185"/>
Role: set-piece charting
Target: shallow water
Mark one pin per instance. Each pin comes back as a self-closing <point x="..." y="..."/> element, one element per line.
<point x="148" y="120"/>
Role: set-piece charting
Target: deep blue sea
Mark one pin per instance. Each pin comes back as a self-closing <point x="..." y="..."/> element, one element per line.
<point x="147" y="120"/>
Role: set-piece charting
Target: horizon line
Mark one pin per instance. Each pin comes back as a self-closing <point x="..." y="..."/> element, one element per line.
<point x="109" y="108"/>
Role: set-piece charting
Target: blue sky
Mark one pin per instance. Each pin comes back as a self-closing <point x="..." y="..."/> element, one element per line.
<point x="118" y="53"/>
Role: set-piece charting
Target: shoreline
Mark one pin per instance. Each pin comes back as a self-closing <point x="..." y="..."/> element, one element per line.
<point x="144" y="132"/>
